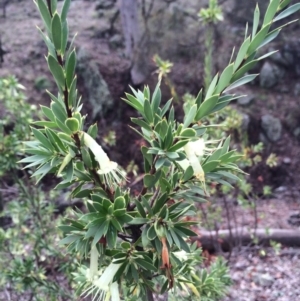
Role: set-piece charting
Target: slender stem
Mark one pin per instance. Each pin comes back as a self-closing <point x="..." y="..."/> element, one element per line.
<point x="149" y="295"/>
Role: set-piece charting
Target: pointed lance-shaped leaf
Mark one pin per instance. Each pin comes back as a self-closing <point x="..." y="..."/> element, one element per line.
<point x="190" y="116"/>
<point x="241" y="54"/>
<point x="70" y="68"/>
<point x="271" y="11"/>
<point x="65" y="10"/>
<point x="45" y="14"/>
<point x="53" y="6"/>
<point x="56" y="70"/>
<point x="56" y="30"/>
<point x="255" y="20"/>
<point x="224" y="78"/>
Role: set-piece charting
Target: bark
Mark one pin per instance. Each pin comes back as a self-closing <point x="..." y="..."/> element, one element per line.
<point x="133" y="40"/>
<point x="225" y="239"/>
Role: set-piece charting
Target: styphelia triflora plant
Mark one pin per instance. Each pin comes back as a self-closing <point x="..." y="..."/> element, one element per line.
<point x="138" y="245"/>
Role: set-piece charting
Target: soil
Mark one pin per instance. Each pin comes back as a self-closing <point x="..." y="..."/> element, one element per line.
<point x="255" y="277"/>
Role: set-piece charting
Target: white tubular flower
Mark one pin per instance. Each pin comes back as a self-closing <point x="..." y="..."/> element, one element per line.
<point x="103" y="288"/>
<point x="114" y="291"/>
<point x="93" y="263"/>
<point x="192" y="150"/>
<point x="108" y="169"/>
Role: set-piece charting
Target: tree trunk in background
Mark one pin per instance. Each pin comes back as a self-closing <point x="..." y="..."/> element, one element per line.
<point x="133" y="40"/>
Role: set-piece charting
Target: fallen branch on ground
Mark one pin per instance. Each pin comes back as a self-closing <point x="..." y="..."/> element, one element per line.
<point x="225" y="240"/>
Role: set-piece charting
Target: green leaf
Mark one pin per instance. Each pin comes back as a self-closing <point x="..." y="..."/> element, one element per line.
<point x="183" y="245"/>
<point x="43" y="9"/>
<point x="242" y="81"/>
<point x="159" y="163"/>
<point x="148" y="111"/>
<point x="72" y="99"/>
<point x="163" y="128"/>
<point x="42" y="171"/>
<point x="69" y="239"/>
<point x="256" y="17"/>
<point x="269" y="38"/>
<point x="150" y="180"/>
<point x="156" y="98"/>
<point x="70" y="68"/>
<point x="199" y="98"/>
<point x="140" y="208"/>
<point x="101" y="231"/>
<point x="53" y="5"/>
<point x="209" y="166"/>
<point x="289" y="11"/>
<point x="63" y="127"/>
<point x="86" y="158"/>
<point x="258" y="39"/>
<point x="190" y="116"/>
<point x="65" y="162"/>
<point x="211" y="87"/>
<point x="186" y="231"/>
<point x="65" y="10"/>
<point x="42" y="138"/>
<point x="188" y="174"/>
<point x="141" y="123"/>
<point x="166" y="107"/>
<point x="72" y="124"/>
<point x="48" y="124"/>
<point x="241" y="54"/>
<point x="56" y="30"/>
<point x="48" y="42"/>
<point x="119" y="212"/>
<point x="225" y="78"/>
<point x="151" y="234"/>
<point x="159" y="203"/>
<point x="116" y="225"/>
<point x="240" y="72"/>
<point x="225" y="146"/>
<point x="56" y="70"/>
<point x="283" y="4"/>
<point x="132" y="101"/>
<point x="93" y="130"/>
<point x="56" y="139"/>
<point x="59" y="112"/>
<point x="119" y="203"/>
<point x="178" y="145"/>
<point x="271" y="11"/>
<point x="145" y="265"/>
<point x="207" y="106"/>
<point x="124" y="219"/>
<point x="169" y="138"/>
<point x="138" y="221"/>
<point x="84" y="193"/>
<point x="64" y="36"/>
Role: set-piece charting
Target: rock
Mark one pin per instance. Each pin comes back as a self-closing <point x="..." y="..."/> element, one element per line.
<point x="245" y="122"/>
<point x="270" y="75"/>
<point x="265" y="280"/>
<point x="95" y="86"/>
<point x="272" y="127"/>
<point x="105" y="4"/>
<point x="245" y="101"/>
<point x="287" y="160"/>
<point x="292" y="120"/>
<point x="296" y="133"/>
<point x="116" y="41"/>
<point x="291" y="50"/>
<point x="297" y="89"/>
